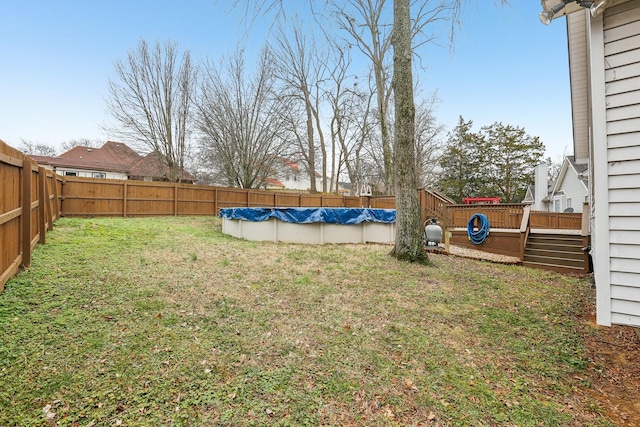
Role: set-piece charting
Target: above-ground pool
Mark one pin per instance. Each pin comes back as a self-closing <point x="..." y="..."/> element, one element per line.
<point x="310" y="225"/>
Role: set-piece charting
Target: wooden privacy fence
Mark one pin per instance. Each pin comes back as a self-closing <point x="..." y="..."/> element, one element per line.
<point x="29" y="203"/>
<point x="32" y="197"/>
<point x="101" y="197"/>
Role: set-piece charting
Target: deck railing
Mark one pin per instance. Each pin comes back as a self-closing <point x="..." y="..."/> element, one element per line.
<point x="507" y="216"/>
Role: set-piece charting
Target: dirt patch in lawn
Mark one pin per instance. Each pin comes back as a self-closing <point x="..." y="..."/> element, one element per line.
<point x="614" y="374"/>
<point x="612" y="386"/>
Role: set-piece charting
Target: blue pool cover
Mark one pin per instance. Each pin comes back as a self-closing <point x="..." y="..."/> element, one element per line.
<point x="310" y="215"/>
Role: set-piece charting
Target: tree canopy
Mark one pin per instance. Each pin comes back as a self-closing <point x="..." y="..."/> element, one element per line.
<point x="242" y="121"/>
<point x="150" y="100"/>
<point x="496" y="161"/>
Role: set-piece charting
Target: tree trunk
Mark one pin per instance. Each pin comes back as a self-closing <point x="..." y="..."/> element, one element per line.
<point x="408" y="243"/>
<point x="387" y="151"/>
<point x="323" y="148"/>
<point x="311" y="146"/>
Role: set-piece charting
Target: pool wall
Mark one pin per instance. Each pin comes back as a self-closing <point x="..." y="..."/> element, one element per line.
<point x="276" y="230"/>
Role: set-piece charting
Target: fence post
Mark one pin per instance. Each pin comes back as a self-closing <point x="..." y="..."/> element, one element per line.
<point x="26" y="212"/>
<point x="56" y="197"/>
<point x="423" y="205"/>
<point x="48" y="209"/>
<point x="215" y="201"/>
<point x="445" y="217"/>
<point x="524" y="230"/>
<point x="42" y="208"/>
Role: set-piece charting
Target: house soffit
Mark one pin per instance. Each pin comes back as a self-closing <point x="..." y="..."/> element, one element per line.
<point x="573" y="6"/>
<point x="569" y="8"/>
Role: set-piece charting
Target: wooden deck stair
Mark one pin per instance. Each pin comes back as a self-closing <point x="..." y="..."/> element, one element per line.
<point x="556" y="250"/>
<point x="433" y="203"/>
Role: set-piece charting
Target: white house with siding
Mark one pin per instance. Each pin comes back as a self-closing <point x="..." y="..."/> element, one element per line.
<point x="570" y="190"/>
<point x="604" y="60"/>
<point x="293" y="175"/>
<point x="567" y="193"/>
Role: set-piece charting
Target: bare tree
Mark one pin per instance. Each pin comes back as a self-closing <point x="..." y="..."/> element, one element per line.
<point x="368" y="24"/>
<point x="408" y="244"/>
<point x="364" y="21"/>
<point x="150" y="99"/>
<point x="242" y="121"/>
<point x="428" y="141"/>
<point x="351" y="125"/>
<point x="82" y="142"/>
<point x="301" y="69"/>
<point x="554" y="165"/>
<point x="36" y="149"/>
<point x="336" y="96"/>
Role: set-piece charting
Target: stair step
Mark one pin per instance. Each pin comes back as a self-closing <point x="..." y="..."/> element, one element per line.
<point x="571" y="240"/>
<point x="554" y="267"/>
<point x="555" y="253"/>
<point x="552" y="260"/>
<point x="555" y="236"/>
<point x="554" y="246"/>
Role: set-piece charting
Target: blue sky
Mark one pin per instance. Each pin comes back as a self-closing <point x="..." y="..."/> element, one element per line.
<point x="57" y="58"/>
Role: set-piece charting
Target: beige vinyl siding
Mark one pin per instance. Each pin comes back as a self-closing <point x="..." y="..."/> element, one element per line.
<point x="622" y="92"/>
<point x="578" y="66"/>
<point x="90" y="173"/>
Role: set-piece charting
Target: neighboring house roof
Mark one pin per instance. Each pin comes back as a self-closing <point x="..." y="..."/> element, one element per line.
<point x="112" y="157"/>
<point x="550" y="188"/>
<point x="569" y="164"/>
<point x="292" y="164"/>
<point x="272" y="182"/>
<point x="152" y="166"/>
<point x="528" y="197"/>
<point x="59" y="162"/>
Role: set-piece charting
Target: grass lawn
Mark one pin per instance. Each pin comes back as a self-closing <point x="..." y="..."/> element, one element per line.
<point x="166" y="321"/>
